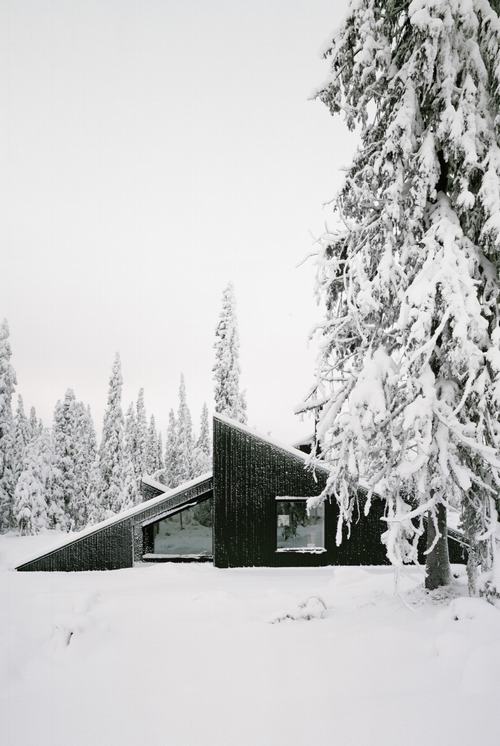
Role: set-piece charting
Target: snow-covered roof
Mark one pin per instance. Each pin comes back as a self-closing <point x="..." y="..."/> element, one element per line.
<point x="135" y="510"/>
<point x="272" y="441"/>
<point x="146" y="479"/>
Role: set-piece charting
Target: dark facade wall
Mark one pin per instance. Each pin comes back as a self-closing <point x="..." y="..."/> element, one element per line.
<point x="249" y="473"/>
<point x="108" y="548"/>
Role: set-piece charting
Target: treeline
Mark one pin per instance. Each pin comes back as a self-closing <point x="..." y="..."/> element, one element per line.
<point x="58" y="477"/>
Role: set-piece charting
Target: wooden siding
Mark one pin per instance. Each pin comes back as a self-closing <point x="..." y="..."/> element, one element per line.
<point x="249" y="473"/>
<point x="119" y="543"/>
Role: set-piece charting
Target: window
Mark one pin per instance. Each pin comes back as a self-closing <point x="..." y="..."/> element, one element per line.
<point x="296" y="530"/>
<point x="188" y="532"/>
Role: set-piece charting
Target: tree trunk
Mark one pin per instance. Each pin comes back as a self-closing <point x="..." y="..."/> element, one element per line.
<point x="437" y="566"/>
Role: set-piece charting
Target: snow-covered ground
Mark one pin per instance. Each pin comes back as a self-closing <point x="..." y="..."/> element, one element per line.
<point x="188" y="655"/>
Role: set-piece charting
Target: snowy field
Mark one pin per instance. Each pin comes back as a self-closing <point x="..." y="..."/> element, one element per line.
<point x="187" y="655"/>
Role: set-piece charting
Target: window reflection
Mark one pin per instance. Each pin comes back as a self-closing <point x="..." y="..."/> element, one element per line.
<point x="296" y="529"/>
<point x="186" y="532"/>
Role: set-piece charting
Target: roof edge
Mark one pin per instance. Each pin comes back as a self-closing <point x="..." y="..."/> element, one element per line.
<point x="304" y="457"/>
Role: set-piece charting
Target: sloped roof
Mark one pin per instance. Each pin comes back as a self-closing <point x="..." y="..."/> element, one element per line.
<point x="291" y="450"/>
<point x="166" y="496"/>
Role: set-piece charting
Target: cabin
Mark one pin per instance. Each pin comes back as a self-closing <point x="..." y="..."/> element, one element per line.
<point x="249" y="511"/>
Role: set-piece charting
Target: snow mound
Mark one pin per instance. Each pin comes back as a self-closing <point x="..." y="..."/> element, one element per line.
<point x="312" y="608"/>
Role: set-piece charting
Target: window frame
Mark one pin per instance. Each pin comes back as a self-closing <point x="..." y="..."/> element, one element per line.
<point x="297" y="550"/>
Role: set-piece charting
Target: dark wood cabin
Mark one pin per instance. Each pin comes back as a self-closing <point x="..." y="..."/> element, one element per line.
<point x="251" y="512"/>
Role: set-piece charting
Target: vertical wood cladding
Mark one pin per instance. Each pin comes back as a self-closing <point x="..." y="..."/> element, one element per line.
<point x="108" y="548"/>
<point x="249" y="473"/>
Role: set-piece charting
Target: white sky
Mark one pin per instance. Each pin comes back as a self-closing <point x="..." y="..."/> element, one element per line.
<point x="150" y="151"/>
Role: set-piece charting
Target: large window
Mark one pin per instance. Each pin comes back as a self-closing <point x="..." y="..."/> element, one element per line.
<point x="296" y="529"/>
<point x="188" y="532"/>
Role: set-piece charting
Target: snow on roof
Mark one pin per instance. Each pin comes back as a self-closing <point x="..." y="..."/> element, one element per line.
<point x="304" y="441"/>
<point x="146" y="479"/>
<point x="276" y="443"/>
<point x="134" y="510"/>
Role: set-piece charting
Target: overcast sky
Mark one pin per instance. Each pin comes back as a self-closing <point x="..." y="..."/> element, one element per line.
<point x="150" y="152"/>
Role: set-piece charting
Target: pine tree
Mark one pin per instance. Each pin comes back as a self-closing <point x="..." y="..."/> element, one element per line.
<point x="172" y="452"/>
<point x="203" y="450"/>
<point x="65" y="472"/>
<point x="141" y="447"/>
<point x="184" y="437"/>
<point x="7" y="385"/>
<point x="229" y="400"/>
<point x="22" y="436"/>
<point x="408" y="383"/>
<point x="111" y="448"/>
<point x="34" y="486"/>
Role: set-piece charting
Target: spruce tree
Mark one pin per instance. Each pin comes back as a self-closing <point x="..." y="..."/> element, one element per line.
<point x="36" y="425"/>
<point x="229" y="400"/>
<point x="7" y="385"/>
<point x="408" y="382"/>
<point x="172" y="452"/>
<point x="159" y="458"/>
<point x="152" y="464"/>
<point x="33" y="487"/>
<point x="111" y="449"/>
<point x="65" y="471"/>
<point x="141" y="446"/>
<point x="22" y="436"/>
<point x="184" y="437"/>
<point x="203" y="450"/>
<point x="132" y="487"/>
<point x="85" y="445"/>
<point x="94" y="492"/>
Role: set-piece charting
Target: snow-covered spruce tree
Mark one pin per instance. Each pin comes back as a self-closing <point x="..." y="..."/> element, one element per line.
<point x="185" y="439"/>
<point x="129" y="455"/>
<point x="7" y="385"/>
<point x="229" y="400"/>
<point x="22" y="436"/>
<point x="159" y="458"/>
<point x="141" y="445"/>
<point x="36" y="425"/>
<point x="409" y="372"/>
<point x="202" y="458"/>
<point x="111" y="447"/>
<point x="172" y="452"/>
<point x="33" y="487"/>
<point x="96" y="511"/>
<point x="65" y="469"/>
<point x="152" y="464"/>
<point x="85" y="445"/>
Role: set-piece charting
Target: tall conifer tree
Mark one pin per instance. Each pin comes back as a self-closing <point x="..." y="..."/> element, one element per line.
<point x="409" y="374"/>
<point x="141" y="446"/>
<point x="65" y="470"/>
<point x="203" y="449"/>
<point x="22" y="436"/>
<point x="184" y="437"/>
<point x="172" y="452"/>
<point x="229" y="399"/>
<point x="111" y="449"/>
<point x="7" y="386"/>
